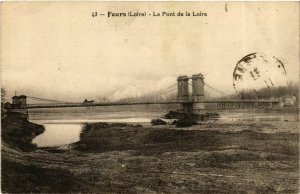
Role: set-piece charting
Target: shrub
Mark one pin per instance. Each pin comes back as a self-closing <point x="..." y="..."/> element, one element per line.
<point x="186" y="122"/>
<point x="158" y="122"/>
<point x="173" y="115"/>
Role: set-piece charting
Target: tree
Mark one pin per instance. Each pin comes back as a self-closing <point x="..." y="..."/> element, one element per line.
<point x="3" y="94"/>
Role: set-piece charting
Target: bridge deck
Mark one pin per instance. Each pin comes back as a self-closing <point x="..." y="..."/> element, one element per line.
<point x="57" y="105"/>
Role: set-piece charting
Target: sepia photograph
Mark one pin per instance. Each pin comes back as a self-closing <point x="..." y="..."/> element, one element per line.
<point x="149" y="97"/>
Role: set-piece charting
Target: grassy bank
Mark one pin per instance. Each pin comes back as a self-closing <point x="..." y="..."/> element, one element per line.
<point x="27" y="178"/>
<point x="18" y="174"/>
<point x="236" y="157"/>
<point x="19" y="132"/>
<point x="120" y="137"/>
<point x="212" y="159"/>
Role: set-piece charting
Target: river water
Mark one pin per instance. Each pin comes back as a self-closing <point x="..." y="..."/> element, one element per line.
<point x="63" y="126"/>
<point x="60" y="132"/>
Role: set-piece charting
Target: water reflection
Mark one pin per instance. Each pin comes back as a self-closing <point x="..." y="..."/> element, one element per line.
<point x="79" y="121"/>
<point x="62" y="132"/>
<point x="259" y="118"/>
<point x="58" y="134"/>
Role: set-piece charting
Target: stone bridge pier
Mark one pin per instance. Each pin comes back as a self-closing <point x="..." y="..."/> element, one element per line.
<point x="18" y="106"/>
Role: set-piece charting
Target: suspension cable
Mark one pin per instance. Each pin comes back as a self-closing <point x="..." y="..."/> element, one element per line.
<point x="213" y="89"/>
<point x="47" y="99"/>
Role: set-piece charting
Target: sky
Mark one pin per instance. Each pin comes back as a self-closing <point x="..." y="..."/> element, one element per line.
<point x="57" y="50"/>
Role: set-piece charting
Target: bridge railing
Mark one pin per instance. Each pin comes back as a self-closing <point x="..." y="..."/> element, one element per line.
<point x="225" y="104"/>
<point x="53" y="105"/>
<point x="264" y="104"/>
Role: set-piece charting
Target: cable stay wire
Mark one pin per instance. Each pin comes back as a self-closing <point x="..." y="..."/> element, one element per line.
<point x="49" y="100"/>
<point x="222" y="93"/>
<point x="119" y="88"/>
<point x="161" y="91"/>
<point x="167" y="88"/>
<point x="169" y="91"/>
<point x="147" y="94"/>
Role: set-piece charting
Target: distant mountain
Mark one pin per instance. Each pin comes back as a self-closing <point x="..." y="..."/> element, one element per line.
<point x="126" y="91"/>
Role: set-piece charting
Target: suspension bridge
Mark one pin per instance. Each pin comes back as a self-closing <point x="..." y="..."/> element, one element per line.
<point x="189" y="92"/>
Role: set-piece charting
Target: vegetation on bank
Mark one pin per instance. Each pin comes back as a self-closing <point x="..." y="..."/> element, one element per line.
<point x="23" y="177"/>
<point x="186" y="121"/>
<point x="149" y="140"/>
<point x="17" y="131"/>
<point x="200" y="116"/>
<point x="158" y="122"/>
<point x="134" y="159"/>
<point x="26" y="178"/>
<point x="292" y="89"/>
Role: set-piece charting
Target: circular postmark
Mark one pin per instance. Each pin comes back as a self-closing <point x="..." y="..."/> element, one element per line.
<point x="256" y="71"/>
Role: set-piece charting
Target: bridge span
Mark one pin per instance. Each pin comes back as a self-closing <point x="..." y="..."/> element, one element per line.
<point x="206" y="104"/>
<point x="189" y="102"/>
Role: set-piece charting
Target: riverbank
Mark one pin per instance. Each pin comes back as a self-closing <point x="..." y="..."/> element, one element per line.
<point x="18" y="132"/>
<point x="18" y="174"/>
<point x="235" y="157"/>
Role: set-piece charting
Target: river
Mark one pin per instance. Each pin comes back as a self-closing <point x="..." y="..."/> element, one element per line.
<point x="63" y="125"/>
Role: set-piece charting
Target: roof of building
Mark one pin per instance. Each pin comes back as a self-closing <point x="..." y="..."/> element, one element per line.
<point x="22" y="96"/>
<point x="19" y="97"/>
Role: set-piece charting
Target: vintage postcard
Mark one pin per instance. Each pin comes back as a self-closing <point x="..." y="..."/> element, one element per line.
<point x="149" y="97"/>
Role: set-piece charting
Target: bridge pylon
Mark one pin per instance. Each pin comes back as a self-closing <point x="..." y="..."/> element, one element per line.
<point x="18" y="106"/>
<point x="183" y="89"/>
<point x="191" y="103"/>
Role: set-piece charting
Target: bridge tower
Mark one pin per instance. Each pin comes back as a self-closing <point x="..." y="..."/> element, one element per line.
<point x="198" y="92"/>
<point x="19" y="106"/>
<point x="195" y="103"/>
<point x="198" y="87"/>
<point x="183" y="94"/>
<point x="183" y="88"/>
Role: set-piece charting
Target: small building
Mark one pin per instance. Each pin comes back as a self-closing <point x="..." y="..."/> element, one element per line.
<point x="15" y="100"/>
<point x="18" y="107"/>
<point x="288" y="100"/>
<point x="19" y="102"/>
<point x="7" y="105"/>
<point x="22" y="101"/>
